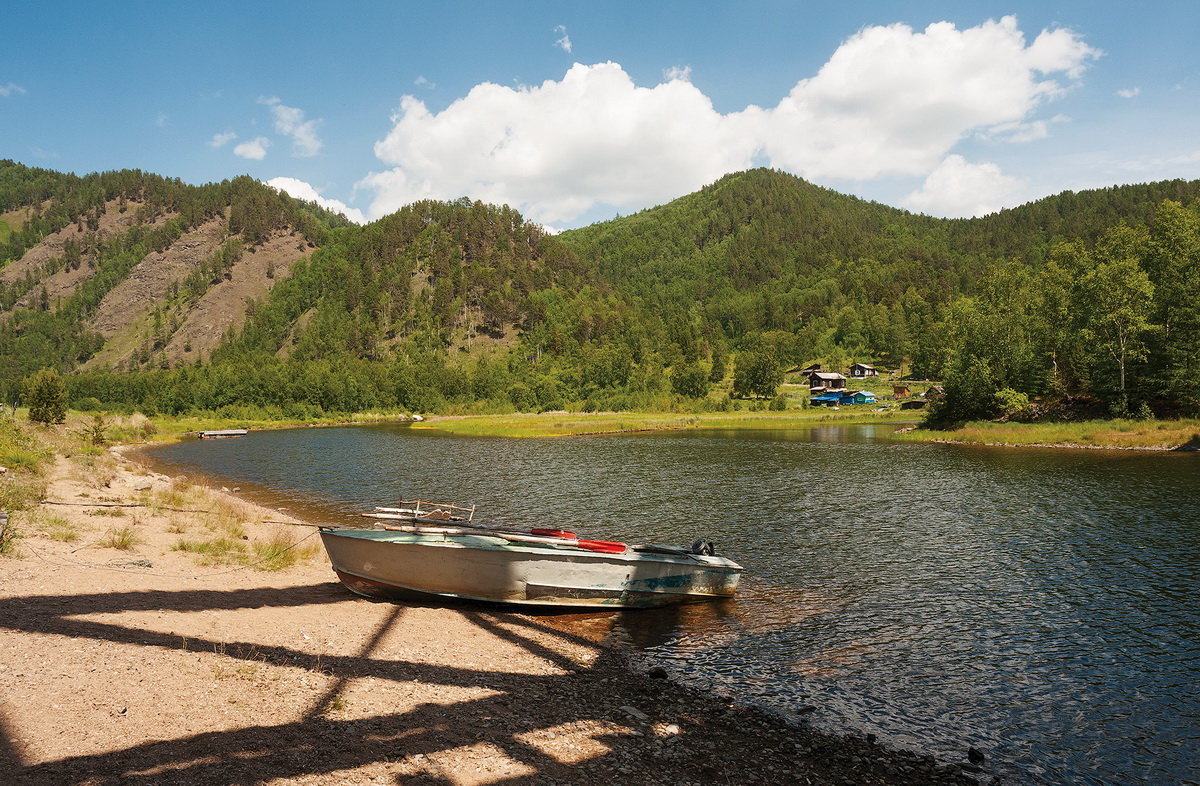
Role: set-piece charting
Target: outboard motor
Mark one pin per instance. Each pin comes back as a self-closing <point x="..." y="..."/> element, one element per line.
<point x="703" y="547"/>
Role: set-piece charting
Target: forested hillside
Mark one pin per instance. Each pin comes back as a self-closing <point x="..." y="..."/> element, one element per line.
<point x="113" y="266"/>
<point x="1091" y="295"/>
<point x="161" y="295"/>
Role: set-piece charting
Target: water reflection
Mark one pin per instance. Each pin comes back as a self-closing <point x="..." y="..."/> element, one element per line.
<point x="1038" y="604"/>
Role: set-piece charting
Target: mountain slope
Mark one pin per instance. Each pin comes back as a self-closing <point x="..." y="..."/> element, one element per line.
<point x="116" y="262"/>
<point x="283" y="302"/>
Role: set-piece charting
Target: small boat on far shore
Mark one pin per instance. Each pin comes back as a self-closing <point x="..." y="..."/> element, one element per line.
<point x="423" y="558"/>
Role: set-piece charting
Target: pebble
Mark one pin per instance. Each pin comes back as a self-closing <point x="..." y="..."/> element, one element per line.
<point x="634" y="712"/>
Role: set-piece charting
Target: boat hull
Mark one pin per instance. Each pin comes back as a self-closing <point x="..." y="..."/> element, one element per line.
<point x="380" y="564"/>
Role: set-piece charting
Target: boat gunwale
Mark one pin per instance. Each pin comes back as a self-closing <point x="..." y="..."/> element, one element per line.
<point x="500" y="544"/>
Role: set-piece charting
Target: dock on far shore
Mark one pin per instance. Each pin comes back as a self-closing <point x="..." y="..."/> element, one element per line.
<point x="228" y="432"/>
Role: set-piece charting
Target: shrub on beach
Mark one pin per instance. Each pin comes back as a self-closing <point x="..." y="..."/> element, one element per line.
<point x="46" y="396"/>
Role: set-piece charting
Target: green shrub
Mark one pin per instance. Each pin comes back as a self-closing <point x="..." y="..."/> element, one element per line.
<point x="1011" y="404"/>
<point x="46" y="396"/>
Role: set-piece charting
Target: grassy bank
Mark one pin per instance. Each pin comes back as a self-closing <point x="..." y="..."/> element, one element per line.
<point x="62" y="484"/>
<point x="562" y="424"/>
<point x="1125" y="434"/>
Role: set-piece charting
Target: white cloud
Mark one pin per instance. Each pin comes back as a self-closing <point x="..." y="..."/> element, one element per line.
<point x="9" y="89"/>
<point x="557" y="149"/>
<point x="958" y="189"/>
<point x="161" y="120"/>
<point x="563" y="43"/>
<point x="1129" y="92"/>
<point x="682" y="73"/>
<point x="220" y="140"/>
<point x="421" y="81"/>
<point x="301" y="190"/>
<point x="254" y="149"/>
<point x="1167" y="166"/>
<point x="890" y="101"/>
<point x="290" y="121"/>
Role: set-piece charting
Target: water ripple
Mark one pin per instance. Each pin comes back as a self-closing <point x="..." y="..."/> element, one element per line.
<point x="1040" y="605"/>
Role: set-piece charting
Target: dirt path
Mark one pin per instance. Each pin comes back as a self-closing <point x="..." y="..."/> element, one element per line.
<point x="141" y="665"/>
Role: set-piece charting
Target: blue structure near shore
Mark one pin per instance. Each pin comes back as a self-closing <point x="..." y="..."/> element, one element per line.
<point x="837" y="398"/>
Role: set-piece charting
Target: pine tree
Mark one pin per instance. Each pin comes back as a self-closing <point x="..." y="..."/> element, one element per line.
<point x="46" y="396"/>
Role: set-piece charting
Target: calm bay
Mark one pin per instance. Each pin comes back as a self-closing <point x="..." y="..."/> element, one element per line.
<point x="1040" y="605"/>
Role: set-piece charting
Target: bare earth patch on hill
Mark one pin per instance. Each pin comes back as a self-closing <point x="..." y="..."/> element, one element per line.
<point x="224" y="305"/>
<point x="123" y="312"/>
<point x="58" y="286"/>
<point x="151" y="279"/>
<point x="112" y="222"/>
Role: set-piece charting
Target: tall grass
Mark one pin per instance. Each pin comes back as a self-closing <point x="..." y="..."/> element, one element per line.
<point x="280" y="550"/>
<point x="214" y="551"/>
<point x="9" y="535"/>
<point x="557" y="424"/>
<point x="1117" y="433"/>
<point x="57" y="528"/>
<point x="123" y="538"/>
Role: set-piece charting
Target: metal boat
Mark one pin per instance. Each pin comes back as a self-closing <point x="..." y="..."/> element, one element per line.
<point x="542" y="567"/>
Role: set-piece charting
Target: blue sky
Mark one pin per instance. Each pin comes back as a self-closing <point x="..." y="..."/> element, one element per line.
<point x="575" y="112"/>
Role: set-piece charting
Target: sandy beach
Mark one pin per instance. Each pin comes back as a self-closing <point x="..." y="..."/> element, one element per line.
<point x="126" y="659"/>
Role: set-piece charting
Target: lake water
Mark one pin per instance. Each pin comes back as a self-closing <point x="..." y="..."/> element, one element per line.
<point x="1040" y="605"/>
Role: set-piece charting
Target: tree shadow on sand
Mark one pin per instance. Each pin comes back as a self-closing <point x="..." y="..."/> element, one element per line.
<point x="501" y="723"/>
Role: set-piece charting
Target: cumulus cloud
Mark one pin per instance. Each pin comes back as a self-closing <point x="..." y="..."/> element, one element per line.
<point x="563" y="43"/>
<point x="290" y="121"/>
<point x="682" y="73"/>
<point x="301" y="190"/>
<point x="220" y="140"/>
<point x="10" y="89"/>
<point x="1129" y="92"/>
<point x="421" y="81"/>
<point x="958" y="189"/>
<point x="891" y="101"/>
<point x="559" y="148"/>
<point x="254" y="149"/>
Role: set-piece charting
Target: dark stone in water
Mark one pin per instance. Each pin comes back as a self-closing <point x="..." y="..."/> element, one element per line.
<point x="657" y="672"/>
<point x="975" y="756"/>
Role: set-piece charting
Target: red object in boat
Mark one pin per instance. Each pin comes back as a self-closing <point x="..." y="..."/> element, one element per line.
<point x="604" y="546"/>
<point x="553" y="533"/>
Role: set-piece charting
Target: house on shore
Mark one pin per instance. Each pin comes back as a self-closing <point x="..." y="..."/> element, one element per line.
<point x="901" y="391"/>
<point x="861" y="370"/>
<point x="823" y="381"/>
